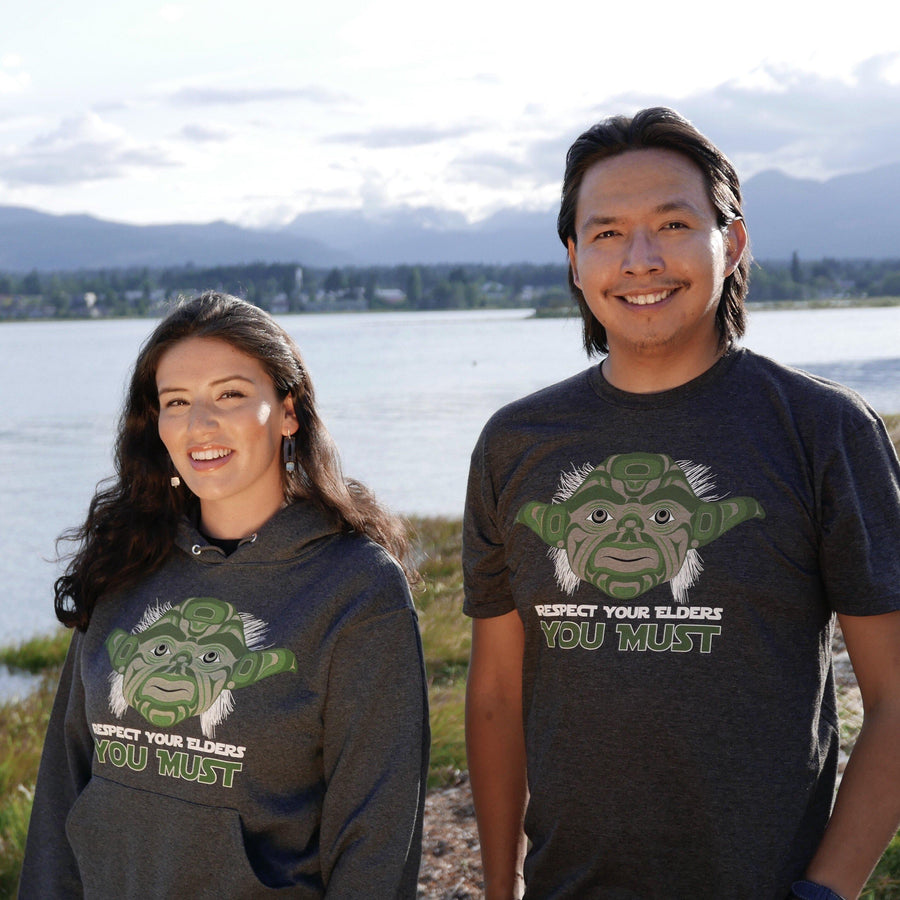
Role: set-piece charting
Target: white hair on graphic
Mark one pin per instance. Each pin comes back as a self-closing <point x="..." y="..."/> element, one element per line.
<point x="117" y="702"/>
<point x="254" y="631"/>
<point x="152" y="614"/>
<point x="698" y="476"/>
<point x="217" y="713"/>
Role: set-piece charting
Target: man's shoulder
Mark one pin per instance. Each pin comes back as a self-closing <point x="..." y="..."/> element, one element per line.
<point x="553" y="401"/>
<point x="797" y="386"/>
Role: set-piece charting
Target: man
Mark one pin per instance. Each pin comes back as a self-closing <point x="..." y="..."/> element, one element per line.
<point x="654" y="551"/>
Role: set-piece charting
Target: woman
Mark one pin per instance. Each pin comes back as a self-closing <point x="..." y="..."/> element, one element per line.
<point x="243" y="709"/>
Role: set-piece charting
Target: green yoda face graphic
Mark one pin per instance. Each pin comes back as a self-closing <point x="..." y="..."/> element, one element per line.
<point x="633" y="522"/>
<point x="185" y="660"/>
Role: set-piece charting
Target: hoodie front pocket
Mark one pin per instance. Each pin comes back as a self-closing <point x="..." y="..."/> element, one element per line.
<point x="134" y="844"/>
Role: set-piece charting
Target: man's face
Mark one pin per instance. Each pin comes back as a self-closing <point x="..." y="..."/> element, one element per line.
<point x="651" y="260"/>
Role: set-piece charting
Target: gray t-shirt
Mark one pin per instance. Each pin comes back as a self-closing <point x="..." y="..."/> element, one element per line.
<point x="676" y="559"/>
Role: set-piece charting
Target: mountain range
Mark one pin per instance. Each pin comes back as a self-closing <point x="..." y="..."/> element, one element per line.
<point x="854" y="216"/>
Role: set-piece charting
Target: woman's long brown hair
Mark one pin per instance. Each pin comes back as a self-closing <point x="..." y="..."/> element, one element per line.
<point x="133" y="518"/>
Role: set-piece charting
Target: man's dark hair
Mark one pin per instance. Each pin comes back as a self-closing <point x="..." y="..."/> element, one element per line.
<point x="657" y="128"/>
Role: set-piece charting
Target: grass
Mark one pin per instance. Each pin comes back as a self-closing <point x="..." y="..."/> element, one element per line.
<point x="446" y="641"/>
<point x="38" y="654"/>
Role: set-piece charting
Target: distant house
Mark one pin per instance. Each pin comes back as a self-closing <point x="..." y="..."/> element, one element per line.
<point x="348" y="300"/>
<point x="279" y="304"/>
<point x="390" y="296"/>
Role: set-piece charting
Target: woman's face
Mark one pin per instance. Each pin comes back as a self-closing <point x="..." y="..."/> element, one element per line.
<point x="222" y="423"/>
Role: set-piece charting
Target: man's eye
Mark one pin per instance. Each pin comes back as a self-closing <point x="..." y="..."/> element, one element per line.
<point x="599" y="516"/>
<point x="662" y="516"/>
<point x="211" y="656"/>
<point x="161" y="649"/>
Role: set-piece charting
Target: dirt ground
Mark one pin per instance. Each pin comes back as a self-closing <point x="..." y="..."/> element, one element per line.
<point x="451" y="861"/>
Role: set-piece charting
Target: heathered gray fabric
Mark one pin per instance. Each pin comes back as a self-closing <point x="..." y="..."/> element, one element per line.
<point x="682" y="747"/>
<point x="312" y="785"/>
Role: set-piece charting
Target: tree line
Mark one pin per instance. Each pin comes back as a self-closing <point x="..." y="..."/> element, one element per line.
<point x="295" y="288"/>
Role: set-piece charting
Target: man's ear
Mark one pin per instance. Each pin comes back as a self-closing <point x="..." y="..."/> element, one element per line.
<point x="573" y="262"/>
<point x="735" y="244"/>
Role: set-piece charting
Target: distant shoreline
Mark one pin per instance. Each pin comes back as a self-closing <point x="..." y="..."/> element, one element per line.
<point x="550" y="312"/>
<point x="562" y="312"/>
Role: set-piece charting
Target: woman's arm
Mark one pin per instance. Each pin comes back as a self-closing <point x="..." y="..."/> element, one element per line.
<point x="495" y="741"/>
<point x="49" y="868"/>
<point x="375" y="757"/>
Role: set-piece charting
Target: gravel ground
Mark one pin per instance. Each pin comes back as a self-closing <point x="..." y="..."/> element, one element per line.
<point x="451" y="861"/>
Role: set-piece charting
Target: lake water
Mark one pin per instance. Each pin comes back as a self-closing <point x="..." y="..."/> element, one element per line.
<point x="404" y="394"/>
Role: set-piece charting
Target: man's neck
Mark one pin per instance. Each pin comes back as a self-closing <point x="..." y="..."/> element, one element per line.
<point x="652" y="373"/>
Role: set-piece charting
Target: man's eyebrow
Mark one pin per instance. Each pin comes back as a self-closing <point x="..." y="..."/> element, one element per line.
<point x="670" y="206"/>
<point x="218" y="381"/>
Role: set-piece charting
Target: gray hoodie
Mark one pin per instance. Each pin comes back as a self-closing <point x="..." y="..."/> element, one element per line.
<point x="240" y="726"/>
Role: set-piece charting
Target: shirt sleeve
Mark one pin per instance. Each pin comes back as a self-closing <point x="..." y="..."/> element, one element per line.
<point x="49" y="868"/>
<point x="485" y="572"/>
<point x="859" y="512"/>
<point x="375" y="757"/>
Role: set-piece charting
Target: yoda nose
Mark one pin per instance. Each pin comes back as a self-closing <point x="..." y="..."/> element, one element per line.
<point x="180" y="661"/>
<point x="630" y="529"/>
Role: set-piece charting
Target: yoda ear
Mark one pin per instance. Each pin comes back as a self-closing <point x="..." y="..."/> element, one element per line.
<point x="547" y="520"/>
<point x="121" y="646"/>
<point x="712" y="520"/>
<point x="255" y="665"/>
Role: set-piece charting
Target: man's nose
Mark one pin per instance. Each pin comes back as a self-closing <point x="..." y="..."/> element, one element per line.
<point x="642" y="254"/>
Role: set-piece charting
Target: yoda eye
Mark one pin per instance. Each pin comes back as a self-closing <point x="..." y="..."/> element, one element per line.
<point x="599" y="516"/>
<point x="211" y="656"/>
<point x="161" y="649"/>
<point x="662" y="516"/>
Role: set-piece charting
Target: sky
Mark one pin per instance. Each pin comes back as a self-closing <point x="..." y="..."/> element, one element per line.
<point x="253" y="112"/>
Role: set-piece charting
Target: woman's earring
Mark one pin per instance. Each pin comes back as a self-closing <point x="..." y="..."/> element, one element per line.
<point x="175" y="481"/>
<point x="288" y="452"/>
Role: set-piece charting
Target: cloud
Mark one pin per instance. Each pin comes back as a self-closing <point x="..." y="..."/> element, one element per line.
<point x="775" y="117"/>
<point x="491" y="169"/>
<point x="13" y="82"/>
<point x="399" y="137"/>
<point x="80" y="150"/>
<point x="202" y="134"/>
<point x="212" y="96"/>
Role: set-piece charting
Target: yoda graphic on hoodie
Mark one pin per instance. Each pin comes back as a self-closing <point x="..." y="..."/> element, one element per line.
<point x="185" y="660"/>
<point x="634" y="522"/>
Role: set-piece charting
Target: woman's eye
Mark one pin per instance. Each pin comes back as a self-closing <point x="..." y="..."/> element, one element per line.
<point x="599" y="516"/>
<point x="229" y="395"/>
<point x="177" y="401"/>
<point x="662" y="516"/>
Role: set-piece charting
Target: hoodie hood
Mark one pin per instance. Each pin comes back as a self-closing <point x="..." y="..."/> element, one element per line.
<point x="288" y="535"/>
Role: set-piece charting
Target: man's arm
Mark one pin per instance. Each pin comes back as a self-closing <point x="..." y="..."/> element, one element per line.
<point x="867" y="811"/>
<point x="495" y="743"/>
